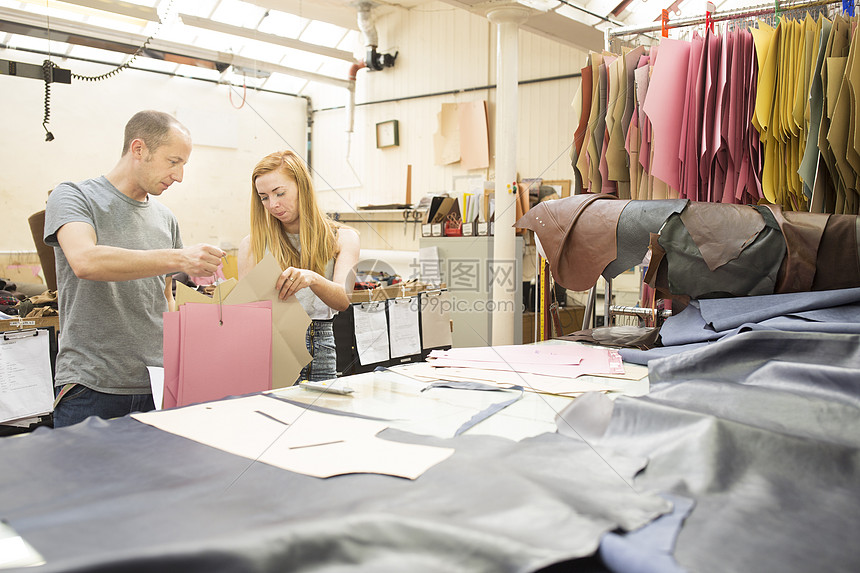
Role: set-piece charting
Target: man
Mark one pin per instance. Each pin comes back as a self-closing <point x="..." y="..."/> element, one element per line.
<point x="114" y="244"/>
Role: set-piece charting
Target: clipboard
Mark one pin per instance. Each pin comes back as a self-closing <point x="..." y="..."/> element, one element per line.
<point x="49" y="323"/>
<point x="371" y="332"/>
<point x="404" y="329"/>
<point x="26" y="380"/>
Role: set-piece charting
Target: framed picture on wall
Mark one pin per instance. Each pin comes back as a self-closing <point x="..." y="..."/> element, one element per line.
<point x="387" y="134"/>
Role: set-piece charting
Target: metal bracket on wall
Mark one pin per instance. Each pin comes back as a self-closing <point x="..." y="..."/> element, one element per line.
<point x="35" y="72"/>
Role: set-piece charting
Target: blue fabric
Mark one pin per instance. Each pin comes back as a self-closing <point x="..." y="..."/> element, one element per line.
<point x="486" y="412"/>
<point x="643" y="357"/>
<point x="81" y="402"/>
<point x="762" y="431"/>
<point x="728" y="313"/>
<point x="709" y="320"/>
<point x="687" y="327"/>
<point x="489" y="411"/>
<point x="648" y="549"/>
<point x="841" y="313"/>
<point x="319" y="340"/>
<point x="798" y="324"/>
<point x="703" y="320"/>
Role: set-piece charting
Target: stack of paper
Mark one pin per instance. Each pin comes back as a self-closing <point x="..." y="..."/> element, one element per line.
<point x="472" y="207"/>
<point x="549" y="369"/>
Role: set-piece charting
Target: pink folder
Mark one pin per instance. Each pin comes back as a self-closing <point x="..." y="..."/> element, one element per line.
<point x="224" y="350"/>
<point x="171" y="359"/>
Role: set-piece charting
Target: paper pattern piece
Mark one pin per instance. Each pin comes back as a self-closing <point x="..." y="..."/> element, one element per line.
<point x="185" y="293"/>
<point x="446" y="141"/>
<point x="295" y="439"/>
<point x="371" y="332"/>
<point x="216" y="347"/>
<point x="557" y="385"/>
<point x="172" y="344"/>
<point x="289" y="320"/>
<point x="156" y="383"/>
<point x="594" y="360"/>
<point x="435" y="319"/>
<point x="429" y="266"/>
<point x="527" y="354"/>
<point x="474" y="135"/>
<point x="15" y="551"/>
<point x="224" y="351"/>
<point x="404" y="333"/>
<point x="26" y="384"/>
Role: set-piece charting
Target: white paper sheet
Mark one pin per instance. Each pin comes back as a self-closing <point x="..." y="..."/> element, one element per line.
<point x="296" y="439"/>
<point x="530" y="382"/>
<point x="156" y="382"/>
<point x="26" y="385"/>
<point x="532" y="354"/>
<point x="371" y="332"/>
<point x="404" y="333"/>
<point x="15" y="551"/>
<point x="429" y="269"/>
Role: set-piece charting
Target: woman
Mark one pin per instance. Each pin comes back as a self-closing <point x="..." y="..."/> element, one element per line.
<point x="317" y="254"/>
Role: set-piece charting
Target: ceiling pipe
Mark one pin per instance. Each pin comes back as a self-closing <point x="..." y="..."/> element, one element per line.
<point x="375" y="61"/>
<point x="350" y="106"/>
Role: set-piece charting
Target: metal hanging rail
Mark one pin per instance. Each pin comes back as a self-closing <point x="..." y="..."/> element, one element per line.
<point x="719" y="17"/>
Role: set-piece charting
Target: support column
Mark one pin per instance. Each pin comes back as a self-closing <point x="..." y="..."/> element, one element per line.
<point x="507" y="17"/>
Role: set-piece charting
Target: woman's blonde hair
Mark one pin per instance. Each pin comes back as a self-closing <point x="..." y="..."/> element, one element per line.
<point x="317" y="233"/>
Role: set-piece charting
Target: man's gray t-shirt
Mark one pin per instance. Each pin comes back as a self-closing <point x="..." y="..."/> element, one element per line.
<point x="109" y="331"/>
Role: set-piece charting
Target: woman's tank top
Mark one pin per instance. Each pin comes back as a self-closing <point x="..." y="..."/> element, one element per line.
<point x="316" y="308"/>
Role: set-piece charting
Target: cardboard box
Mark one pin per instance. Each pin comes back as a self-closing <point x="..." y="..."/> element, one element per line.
<point x="404" y="289"/>
<point x="570" y="317"/>
<point x="41" y="322"/>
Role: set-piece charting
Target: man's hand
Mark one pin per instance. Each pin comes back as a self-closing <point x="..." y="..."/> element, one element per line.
<point x="201" y="260"/>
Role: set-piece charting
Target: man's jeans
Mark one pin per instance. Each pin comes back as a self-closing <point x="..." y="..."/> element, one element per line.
<point x="81" y="402"/>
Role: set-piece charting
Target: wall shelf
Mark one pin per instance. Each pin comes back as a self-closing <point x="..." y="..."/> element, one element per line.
<point x="369" y="216"/>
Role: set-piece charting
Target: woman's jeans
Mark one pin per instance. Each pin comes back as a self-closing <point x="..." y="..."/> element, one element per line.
<point x="320" y="343"/>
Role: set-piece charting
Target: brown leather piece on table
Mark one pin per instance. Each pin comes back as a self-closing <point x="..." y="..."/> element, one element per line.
<point x="578" y="248"/>
<point x="837" y="265"/>
<point x="707" y="224"/>
<point x="643" y="338"/>
<point x="802" y="233"/>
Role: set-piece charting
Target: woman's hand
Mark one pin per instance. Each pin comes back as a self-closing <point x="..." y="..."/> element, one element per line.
<point x="293" y="280"/>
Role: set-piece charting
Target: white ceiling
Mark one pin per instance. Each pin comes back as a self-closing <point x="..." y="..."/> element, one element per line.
<point x="280" y="45"/>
